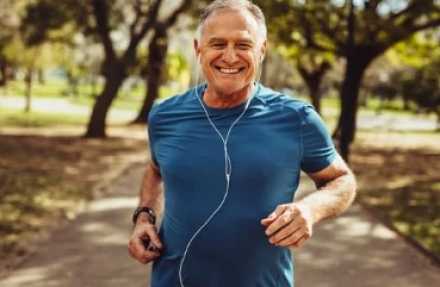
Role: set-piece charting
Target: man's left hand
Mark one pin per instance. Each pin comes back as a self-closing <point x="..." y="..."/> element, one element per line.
<point x="290" y="225"/>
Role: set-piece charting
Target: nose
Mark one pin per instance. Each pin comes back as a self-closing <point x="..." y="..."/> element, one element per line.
<point x="230" y="55"/>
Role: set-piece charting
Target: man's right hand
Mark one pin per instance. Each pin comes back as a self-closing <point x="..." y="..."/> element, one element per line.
<point x="144" y="231"/>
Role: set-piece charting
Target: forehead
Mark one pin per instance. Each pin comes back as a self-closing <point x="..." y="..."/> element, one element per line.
<point x="230" y="23"/>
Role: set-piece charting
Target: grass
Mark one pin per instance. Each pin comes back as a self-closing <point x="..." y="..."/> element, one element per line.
<point x="9" y="117"/>
<point x="127" y="99"/>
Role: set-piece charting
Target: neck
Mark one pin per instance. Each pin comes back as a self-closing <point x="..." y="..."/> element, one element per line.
<point x="218" y="99"/>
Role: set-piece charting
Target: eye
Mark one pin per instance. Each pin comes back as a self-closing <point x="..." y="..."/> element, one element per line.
<point x="218" y="45"/>
<point x="244" y="46"/>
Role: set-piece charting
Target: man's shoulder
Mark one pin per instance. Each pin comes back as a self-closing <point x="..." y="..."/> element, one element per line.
<point x="171" y="103"/>
<point x="282" y="100"/>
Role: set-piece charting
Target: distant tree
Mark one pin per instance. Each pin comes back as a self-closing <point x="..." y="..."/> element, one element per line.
<point x="157" y="52"/>
<point x="312" y="66"/>
<point x="9" y="25"/>
<point x="423" y="88"/>
<point x="100" y="20"/>
<point x="415" y="77"/>
<point x="358" y="31"/>
<point x="29" y="60"/>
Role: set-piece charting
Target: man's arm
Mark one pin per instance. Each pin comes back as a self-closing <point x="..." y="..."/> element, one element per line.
<point x="150" y="196"/>
<point x="291" y="224"/>
<point x="336" y="191"/>
<point x="151" y="190"/>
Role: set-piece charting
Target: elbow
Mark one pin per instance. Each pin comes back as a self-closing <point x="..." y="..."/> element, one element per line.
<point x="351" y="190"/>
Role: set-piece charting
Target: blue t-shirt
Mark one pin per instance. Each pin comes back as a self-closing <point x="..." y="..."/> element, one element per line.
<point x="277" y="137"/>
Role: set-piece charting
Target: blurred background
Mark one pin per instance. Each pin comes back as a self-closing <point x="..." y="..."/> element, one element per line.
<point x="78" y="78"/>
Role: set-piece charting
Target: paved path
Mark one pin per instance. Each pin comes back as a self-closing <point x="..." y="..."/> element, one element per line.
<point x="353" y="250"/>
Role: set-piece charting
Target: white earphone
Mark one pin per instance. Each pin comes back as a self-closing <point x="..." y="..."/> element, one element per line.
<point x="228" y="172"/>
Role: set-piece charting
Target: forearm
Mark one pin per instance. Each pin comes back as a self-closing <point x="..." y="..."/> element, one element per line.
<point x="151" y="190"/>
<point x="332" y="198"/>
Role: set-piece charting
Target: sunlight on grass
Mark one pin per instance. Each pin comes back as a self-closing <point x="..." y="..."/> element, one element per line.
<point x="10" y="117"/>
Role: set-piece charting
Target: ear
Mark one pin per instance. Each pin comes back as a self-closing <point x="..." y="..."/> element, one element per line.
<point x="263" y="50"/>
<point x="196" y="48"/>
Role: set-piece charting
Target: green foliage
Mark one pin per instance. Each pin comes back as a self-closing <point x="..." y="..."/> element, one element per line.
<point x="413" y="76"/>
<point x="423" y="87"/>
<point x="177" y="69"/>
<point x="333" y="25"/>
<point x="417" y="51"/>
<point x="41" y="17"/>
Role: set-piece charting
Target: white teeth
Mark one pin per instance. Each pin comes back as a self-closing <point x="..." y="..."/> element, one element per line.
<point x="229" y="71"/>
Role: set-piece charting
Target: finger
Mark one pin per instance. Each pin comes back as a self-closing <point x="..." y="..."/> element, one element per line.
<point x="281" y="221"/>
<point x="136" y="248"/>
<point x="142" y="254"/>
<point x="293" y="238"/>
<point x="149" y="256"/>
<point x="284" y="232"/>
<point x="274" y="215"/>
<point x="153" y="236"/>
<point x="300" y="242"/>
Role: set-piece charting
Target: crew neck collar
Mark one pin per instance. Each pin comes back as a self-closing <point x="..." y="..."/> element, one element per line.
<point x="201" y="89"/>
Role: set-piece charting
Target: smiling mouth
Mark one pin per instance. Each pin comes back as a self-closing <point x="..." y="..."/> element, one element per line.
<point x="229" y="71"/>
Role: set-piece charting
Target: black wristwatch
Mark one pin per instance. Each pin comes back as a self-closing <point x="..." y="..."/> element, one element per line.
<point x="149" y="211"/>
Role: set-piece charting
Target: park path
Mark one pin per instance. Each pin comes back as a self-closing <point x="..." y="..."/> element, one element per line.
<point x="353" y="250"/>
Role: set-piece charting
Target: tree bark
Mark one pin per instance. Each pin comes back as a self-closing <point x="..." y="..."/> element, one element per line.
<point x="28" y="92"/>
<point x="3" y="73"/>
<point x="354" y="71"/>
<point x="115" y="76"/>
<point x="313" y="80"/>
<point x="156" y="60"/>
<point x="315" y="95"/>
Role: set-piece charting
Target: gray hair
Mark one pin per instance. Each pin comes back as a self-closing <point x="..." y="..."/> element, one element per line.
<point x="233" y="4"/>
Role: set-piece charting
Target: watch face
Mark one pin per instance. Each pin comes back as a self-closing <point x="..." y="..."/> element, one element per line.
<point x="149" y="211"/>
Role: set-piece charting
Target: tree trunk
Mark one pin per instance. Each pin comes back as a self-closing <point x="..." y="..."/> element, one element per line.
<point x="437" y="112"/>
<point x="3" y="73"/>
<point x="156" y="61"/>
<point x="313" y="80"/>
<point x="41" y="78"/>
<point x="28" y="91"/>
<point x="315" y="95"/>
<point x="354" y="71"/>
<point x="115" y="76"/>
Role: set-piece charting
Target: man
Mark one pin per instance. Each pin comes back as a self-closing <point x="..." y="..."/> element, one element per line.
<point x="229" y="154"/>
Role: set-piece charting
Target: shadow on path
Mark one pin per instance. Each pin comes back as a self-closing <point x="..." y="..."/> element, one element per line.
<point x="353" y="250"/>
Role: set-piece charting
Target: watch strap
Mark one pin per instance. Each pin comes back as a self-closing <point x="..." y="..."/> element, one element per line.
<point x="148" y="210"/>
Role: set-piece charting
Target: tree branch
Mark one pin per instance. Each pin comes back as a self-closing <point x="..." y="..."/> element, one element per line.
<point x="150" y="21"/>
<point x="100" y="12"/>
<point x="173" y="17"/>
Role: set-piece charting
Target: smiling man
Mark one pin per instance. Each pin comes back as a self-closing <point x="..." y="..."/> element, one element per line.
<point x="229" y="154"/>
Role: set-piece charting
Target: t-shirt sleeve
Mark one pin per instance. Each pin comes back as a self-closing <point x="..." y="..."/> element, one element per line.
<point x="318" y="148"/>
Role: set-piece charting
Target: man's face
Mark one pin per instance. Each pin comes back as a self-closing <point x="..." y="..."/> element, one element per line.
<point x="230" y="50"/>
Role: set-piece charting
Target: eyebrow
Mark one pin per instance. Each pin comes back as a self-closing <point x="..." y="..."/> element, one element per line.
<point x="216" y="39"/>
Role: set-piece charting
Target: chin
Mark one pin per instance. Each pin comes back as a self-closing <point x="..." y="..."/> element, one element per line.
<point x="228" y="87"/>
